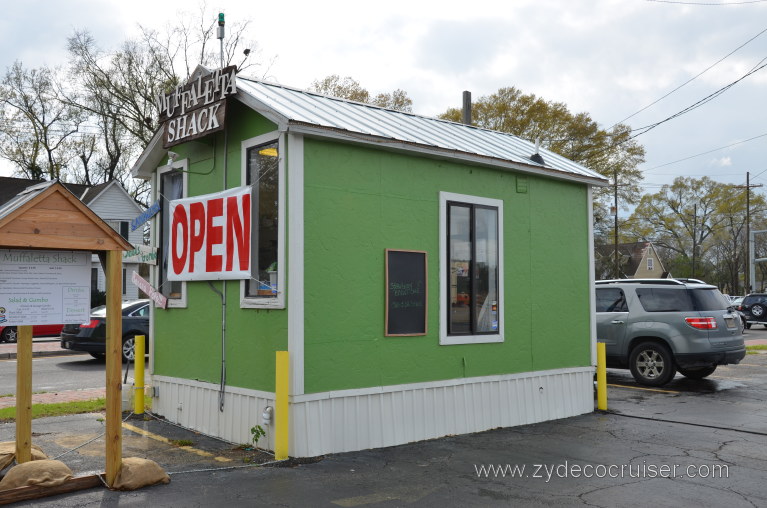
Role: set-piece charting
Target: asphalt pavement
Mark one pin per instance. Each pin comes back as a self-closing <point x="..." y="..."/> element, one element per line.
<point x="688" y="443"/>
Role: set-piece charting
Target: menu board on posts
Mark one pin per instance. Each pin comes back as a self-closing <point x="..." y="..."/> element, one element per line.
<point x="406" y="292"/>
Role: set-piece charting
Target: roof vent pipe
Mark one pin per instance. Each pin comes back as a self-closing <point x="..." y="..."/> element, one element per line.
<point x="466" y="111"/>
<point x="536" y="157"/>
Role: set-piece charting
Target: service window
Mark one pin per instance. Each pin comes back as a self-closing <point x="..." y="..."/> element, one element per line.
<point x="172" y="185"/>
<point x="472" y="283"/>
<point x="263" y="169"/>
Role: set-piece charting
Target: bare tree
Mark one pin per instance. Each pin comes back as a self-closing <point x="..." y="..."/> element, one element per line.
<point x="37" y="128"/>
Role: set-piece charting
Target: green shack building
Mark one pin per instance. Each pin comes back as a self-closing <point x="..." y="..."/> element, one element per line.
<point x="426" y="278"/>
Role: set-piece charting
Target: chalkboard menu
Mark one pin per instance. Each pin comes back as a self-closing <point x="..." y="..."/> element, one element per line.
<point x="406" y="292"/>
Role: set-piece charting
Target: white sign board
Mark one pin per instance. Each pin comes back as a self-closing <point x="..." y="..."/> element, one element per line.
<point x="141" y="254"/>
<point x="43" y="287"/>
<point x="210" y="236"/>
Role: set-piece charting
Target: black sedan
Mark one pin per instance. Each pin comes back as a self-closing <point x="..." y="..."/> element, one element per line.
<point x="91" y="336"/>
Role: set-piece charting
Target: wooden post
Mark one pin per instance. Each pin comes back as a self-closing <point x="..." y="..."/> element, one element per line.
<point x="24" y="395"/>
<point x="113" y="364"/>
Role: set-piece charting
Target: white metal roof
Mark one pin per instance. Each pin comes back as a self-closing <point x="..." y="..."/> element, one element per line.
<point x="295" y="106"/>
<point x="314" y="114"/>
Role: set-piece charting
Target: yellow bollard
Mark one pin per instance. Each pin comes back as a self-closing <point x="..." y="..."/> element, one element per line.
<point x="601" y="377"/>
<point x="138" y="367"/>
<point x="281" y="384"/>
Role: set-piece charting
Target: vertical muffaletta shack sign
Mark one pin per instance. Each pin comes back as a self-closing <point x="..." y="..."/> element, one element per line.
<point x="197" y="108"/>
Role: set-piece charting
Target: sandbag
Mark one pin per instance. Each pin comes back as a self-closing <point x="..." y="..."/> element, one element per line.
<point x="136" y="473"/>
<point x="8" y="453"/>
<point x="43" y="473"/>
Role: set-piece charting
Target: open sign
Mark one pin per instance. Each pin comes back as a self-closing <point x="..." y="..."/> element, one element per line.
<point x="210" y="236"/>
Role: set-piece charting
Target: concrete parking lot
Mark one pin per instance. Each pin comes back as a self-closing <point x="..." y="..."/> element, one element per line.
<point x="699" y="443"/>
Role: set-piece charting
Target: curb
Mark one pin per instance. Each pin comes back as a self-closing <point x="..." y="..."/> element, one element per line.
<point x="36" y="354"/>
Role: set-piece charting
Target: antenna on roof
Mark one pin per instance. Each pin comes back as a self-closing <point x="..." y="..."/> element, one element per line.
<point x="221" y="35"/>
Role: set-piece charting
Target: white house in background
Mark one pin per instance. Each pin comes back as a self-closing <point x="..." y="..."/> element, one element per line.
<point x="116" y="207"/>
<point x="112" y="203"/>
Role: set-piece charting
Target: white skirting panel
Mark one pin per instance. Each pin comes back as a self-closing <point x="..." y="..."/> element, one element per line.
<point x="195" y="405"/>
<point x="349" y="420"/>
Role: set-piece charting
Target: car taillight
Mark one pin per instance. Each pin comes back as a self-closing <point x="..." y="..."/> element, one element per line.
<point x="93" y="323"/>
<point x="702" y="323"/>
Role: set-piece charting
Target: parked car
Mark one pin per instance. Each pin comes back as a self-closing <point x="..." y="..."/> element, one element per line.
<point x="736" y="302"/>
<point x="656" y="327"/>
<point x="11" y="333"/>
<point x="91" y="336"/>
<point x="754" y="308"/>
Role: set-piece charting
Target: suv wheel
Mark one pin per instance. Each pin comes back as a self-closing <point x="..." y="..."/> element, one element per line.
<point x="757" y="310"/>
<point x="697" y="372"/>
<point x="651" y="364"/>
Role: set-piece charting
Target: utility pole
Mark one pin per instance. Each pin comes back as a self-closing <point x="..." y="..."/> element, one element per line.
<point x="694" y="235"/>
<point x="747" y="268"/>
<point x="615" y="227"/>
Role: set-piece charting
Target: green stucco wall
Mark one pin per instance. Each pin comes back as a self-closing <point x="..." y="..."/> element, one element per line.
<point x="187" y="342"/>
<point x="360" y="201"/>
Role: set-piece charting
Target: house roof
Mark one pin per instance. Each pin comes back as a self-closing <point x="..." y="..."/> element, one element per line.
<point x="319" y="115"/>
<point x="48" y="216"/>
<point x="633" y="253"/>
<point x="10" y="187"/>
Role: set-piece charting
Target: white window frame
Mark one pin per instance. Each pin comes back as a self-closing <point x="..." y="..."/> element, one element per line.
<point x="183" y="166"/>
<point x="650" y="263"/>
<point x="255" y="302"/>
<point x="444" y="338"/>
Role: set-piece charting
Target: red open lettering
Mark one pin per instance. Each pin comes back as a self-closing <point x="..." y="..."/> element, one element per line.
<point x="238" y="230"/>
<point x="179" y="221"/>
<point x="213" y="262"/>
<point x="196" y="231"/>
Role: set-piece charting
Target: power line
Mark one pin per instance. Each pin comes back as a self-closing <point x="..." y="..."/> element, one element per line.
<point x="704" y="153"/>
<point x="708" y="4"/>
<point x="694" y="77"/>
<point x="705" y="100"/>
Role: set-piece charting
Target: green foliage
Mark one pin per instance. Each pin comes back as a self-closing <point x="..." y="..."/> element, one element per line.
<point x="610" y="152"/>
<point x="699" y="228"/>
<point x="257" y="432"/>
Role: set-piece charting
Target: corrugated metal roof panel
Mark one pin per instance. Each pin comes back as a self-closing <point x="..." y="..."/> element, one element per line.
<point x="332" y="113"/>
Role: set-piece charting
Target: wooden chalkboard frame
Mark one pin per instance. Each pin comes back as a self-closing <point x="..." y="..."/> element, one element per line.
<point x="388" y="260"/>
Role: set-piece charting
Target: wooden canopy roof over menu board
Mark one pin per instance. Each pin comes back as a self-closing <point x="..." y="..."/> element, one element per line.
<point x="48" y="216"/>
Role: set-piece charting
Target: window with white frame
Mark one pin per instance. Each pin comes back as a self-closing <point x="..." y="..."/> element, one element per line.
<point x="171" y="186"/>
<point x="263" y="172"/>
<point x="650" y="263"/>
<point x="471" y="286"/>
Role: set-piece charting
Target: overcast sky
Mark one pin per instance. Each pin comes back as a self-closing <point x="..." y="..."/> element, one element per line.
<point x="608" y="58"/>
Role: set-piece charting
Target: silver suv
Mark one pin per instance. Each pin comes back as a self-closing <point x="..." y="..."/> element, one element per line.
<point x="656" y="327"/>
